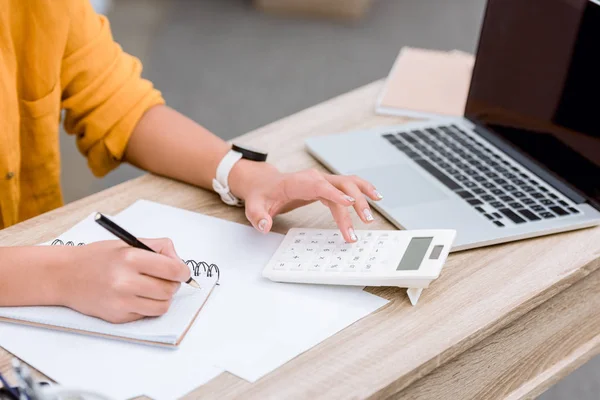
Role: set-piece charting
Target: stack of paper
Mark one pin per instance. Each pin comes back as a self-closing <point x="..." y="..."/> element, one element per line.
<point x="249" y="326"/>
<point x="427" y="84"/>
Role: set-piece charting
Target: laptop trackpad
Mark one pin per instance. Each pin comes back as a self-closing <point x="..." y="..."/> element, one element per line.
<point x="402" y="185"/>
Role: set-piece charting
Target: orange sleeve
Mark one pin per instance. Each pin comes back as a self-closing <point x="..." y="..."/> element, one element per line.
<point x="103" y="94"/>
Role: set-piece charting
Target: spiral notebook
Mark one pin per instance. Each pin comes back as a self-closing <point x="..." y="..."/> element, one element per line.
<point x="166" y="330"/>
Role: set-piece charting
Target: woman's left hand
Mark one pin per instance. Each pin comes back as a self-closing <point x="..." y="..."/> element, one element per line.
<point x="268" y="192"/>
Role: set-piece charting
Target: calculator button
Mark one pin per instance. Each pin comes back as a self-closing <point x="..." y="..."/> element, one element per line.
<point x="297" y="266"/>
<point x="351" y="267"/>
<point x="333" y="267"/>
<point x="327" y="249"/>
<point x="331" y="242"/>
<point x="319" y="235"/>
<point x="301" y="234"/>
<point x="381" y="242"/>
<point x="340" y="258"/>
<point x="323" y="257"/>
<point x="381" y="251"/>
<point x="291" y="257"/>
<point x="310" y="250"/>
<point x="315" y="267"/>
<point x="367" y="268"/>
<point x="295" y="249"/>
<point x="356" y="259"/>
<point x="299" y="240"/>
<point x="359" y="250"/>
<point x="281" y="266"/>
<point x="315" y="242"/>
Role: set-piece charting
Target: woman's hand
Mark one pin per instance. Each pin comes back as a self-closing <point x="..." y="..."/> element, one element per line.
<point x="119" y="283"/>
<point x="268" y="192"/>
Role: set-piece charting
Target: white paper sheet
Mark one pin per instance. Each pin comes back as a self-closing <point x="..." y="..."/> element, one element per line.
<point x="249" y="326"/>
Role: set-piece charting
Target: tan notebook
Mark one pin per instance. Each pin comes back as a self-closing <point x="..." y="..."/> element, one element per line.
<point x="427" y="84"/>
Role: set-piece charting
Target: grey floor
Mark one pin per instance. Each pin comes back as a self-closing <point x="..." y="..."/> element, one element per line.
<point x="233" y="69"/>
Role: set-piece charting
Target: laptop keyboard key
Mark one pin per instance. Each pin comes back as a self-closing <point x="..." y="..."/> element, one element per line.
<point x="464" y="194"/>
<point x="512" y="216"/>
<point x="499" y="224"/>
<point x="497" y="204"/>
<point x="518" y="195"/>
<point x="527" y="201"/>
<point x="547" y="215"/>
<point x="529" y="215"/>
<point x="547" y="202"/>
<point x="573" y="210"/>
<point x="478" y="191"/>
<point x="537" y="208"/>
<point x="481" y="210"/>
<point x="474" y="202"/>
<point x="487" y="197"/>
<point x="439" y="175"/>
<point x="506" y="198"/>
<point x="498" y="192"/>
<point x="560" y="211"/>
<point x="514" y="204"/>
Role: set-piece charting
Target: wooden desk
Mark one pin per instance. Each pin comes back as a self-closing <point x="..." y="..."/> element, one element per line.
<point x="501" y="322"/>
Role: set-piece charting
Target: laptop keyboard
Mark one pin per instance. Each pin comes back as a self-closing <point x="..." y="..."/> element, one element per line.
<point x="500" y="190"/>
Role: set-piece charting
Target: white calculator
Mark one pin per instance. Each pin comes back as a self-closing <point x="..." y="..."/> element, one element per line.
<point x="408" y="259"/>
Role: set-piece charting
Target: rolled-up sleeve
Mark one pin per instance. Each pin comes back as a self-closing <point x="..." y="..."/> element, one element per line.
<point x="103" y="93"/>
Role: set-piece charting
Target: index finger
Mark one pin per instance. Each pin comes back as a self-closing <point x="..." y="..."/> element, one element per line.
<point x="163" y="267"/>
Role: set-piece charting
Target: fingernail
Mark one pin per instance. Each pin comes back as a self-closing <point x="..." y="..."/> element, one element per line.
<point x="378" y="195"/>
<point x="262" y="224"/>
<point x="368" y="215"/>
<point x="350" y="198"/>
<point x="352" y="235"/>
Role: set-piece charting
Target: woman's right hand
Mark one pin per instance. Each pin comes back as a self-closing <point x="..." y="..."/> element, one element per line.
<point x="118" y="283"/>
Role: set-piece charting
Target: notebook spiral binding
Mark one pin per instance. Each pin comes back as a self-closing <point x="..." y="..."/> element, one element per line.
<point x="199" y="268"/>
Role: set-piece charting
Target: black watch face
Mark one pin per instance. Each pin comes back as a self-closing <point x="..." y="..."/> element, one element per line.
<point x="249" y="153"/>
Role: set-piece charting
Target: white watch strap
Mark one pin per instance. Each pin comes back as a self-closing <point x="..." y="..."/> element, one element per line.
<point x="221" y="181"/>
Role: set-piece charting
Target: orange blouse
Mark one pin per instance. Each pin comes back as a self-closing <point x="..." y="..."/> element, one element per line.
<point x="60" y="55"/>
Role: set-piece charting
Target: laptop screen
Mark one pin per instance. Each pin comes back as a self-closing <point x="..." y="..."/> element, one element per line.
<point x="536" y="84"/>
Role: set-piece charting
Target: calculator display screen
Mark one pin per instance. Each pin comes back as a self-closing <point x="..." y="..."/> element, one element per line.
<point x="414" y="254"/>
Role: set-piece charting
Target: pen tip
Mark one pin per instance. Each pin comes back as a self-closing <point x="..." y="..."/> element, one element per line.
<point x="97" y="216"/>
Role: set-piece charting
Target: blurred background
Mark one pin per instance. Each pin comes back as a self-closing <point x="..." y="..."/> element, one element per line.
<point x="235" y="65"/>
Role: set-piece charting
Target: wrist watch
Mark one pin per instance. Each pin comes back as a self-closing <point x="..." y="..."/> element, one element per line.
<point x="221" y="181"/>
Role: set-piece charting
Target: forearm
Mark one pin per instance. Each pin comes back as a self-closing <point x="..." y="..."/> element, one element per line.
<point x="167" y="143"/>
<point x="31" y="275"/>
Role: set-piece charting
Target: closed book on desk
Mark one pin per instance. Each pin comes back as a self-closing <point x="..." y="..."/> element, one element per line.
<point x="427" y="84"/>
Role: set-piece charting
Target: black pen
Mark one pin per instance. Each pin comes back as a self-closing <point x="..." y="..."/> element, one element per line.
<point x="123" y="234"/>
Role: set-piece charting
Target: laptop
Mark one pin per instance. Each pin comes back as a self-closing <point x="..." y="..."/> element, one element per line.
<point x="525" y="159"/>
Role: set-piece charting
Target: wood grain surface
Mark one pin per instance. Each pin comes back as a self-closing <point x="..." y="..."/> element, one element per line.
<point x="481" y="295"/>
